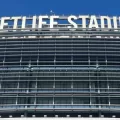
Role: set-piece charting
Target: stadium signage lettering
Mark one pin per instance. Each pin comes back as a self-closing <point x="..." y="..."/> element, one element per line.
<point x="72" y="21"/>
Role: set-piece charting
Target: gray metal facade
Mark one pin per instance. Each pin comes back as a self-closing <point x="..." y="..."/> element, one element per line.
<point x="65" y="71"/>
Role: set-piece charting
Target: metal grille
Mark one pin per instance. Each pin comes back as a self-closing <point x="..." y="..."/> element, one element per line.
<point x="52" y="73"/>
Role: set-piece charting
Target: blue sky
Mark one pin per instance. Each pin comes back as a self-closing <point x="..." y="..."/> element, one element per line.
<point x="67" y="7"/>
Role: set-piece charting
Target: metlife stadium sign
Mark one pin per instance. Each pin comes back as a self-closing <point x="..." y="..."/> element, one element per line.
<point x="72" y="21"/>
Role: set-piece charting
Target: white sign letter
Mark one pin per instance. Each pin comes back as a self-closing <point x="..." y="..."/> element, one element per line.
<point x="3" y="22"/>
<point x="52" y="22"/>
<point x="71" y="22"/>
<point x="103" y="18"/>
<point x="84" y="18"/>
<point x="15" y="22"/>
<point x="41" y="21"/>
<point x="93" y="22"/>
<point x="34" y="22"/>
<point x="23" y="22"/>
<point x="115" y="24"/>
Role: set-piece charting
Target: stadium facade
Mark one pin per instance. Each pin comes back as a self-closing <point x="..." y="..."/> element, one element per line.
<point x="68" y="70"/>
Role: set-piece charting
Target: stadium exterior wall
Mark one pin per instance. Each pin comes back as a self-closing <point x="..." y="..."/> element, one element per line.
<point x="60" y="119"/>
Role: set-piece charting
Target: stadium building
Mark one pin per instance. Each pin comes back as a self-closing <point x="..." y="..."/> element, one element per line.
<point x="59" y="72"/>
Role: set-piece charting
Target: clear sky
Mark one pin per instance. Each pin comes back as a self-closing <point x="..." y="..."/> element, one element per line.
<point x="66" y="7"/>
